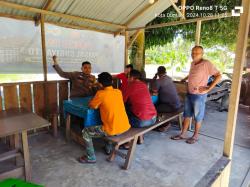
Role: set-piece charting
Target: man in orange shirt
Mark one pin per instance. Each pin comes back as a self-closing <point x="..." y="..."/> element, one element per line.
<point x="113" y="115"/>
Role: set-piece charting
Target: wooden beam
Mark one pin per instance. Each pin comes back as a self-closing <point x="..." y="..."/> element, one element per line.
<point x="214" y="173"/>
<point x="126" y="49"/>
<point x="79" y="27"/>
<point x="133" y="18"/>
<point x="10" y="154"/>
<point x="198" y="33"/>
<point x="45" y="68"/>
<point x="47" y="6"/>
<point x="240" y="54"/>
<point x="183" y="7"/>
<point x="45" y="71"/>
<point x="131" y="41"/>
<point x="14" y="173"/>
<point x="58" y="14"/>
<point x="16" y="17"/>
<point x="219" y="16"/>
<point x="177" y="10"/>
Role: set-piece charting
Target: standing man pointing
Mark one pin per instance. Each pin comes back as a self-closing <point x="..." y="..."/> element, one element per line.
<point x="195" y="100"/>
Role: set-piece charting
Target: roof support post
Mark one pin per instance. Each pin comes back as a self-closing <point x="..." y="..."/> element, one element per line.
<point x="198" y="33"/>
<point x="240" y="53"/>
<point x="43" y="47"/>
<point x="126" y="49"/>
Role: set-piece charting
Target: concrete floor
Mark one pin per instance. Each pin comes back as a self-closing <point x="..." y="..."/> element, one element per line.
<point x="158" y="162"/>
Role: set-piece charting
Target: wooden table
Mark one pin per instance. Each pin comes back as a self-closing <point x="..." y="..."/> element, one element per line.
<point x="16" y="122"/>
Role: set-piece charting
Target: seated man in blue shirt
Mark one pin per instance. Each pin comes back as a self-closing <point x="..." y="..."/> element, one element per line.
<point x="169" y="100"/>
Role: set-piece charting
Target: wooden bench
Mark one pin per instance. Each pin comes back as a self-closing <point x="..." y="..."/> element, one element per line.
<point x="133" y="135"/>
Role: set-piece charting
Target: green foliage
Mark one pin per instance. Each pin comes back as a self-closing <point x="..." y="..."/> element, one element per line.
<point x="171" y="46"/>
<point x="216" y="32"/>
<point x="222" y="58"/>
<point x="174" y="56"/>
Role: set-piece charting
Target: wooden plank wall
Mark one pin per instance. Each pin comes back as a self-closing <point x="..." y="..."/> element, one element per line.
<point x="51" y="90"/>
<point x="39" y="99"/>
<point x="25" y="96"/>
<point x="10" y="96"/>
<point x="63" y="95"/>
<point x="1" y="107"/>
<point x="40" y="95"/>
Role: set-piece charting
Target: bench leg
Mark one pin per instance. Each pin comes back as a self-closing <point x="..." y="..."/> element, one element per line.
<point x="54" y="122"/>
<point x="68" y="127"/>
<point x="130" y="153"/>
<point x="180" y="121"/>
<point x="113" y="154"/>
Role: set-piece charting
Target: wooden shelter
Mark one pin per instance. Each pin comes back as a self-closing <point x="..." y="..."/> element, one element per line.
<point x="127" y="18"/>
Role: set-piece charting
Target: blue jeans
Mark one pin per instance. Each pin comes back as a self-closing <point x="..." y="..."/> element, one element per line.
<point x="138" y="123"/>
<point x="195" y="106"/>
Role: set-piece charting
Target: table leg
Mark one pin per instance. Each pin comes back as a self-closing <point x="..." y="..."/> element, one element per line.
<point x="68" y="127"/>
<point x="17" y="146"/>
<point x="12" y="141"/>
<point x="54" y="124"/>
<point x="26" y="155"/>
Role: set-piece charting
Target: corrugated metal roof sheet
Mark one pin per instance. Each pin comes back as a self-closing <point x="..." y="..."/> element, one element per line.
<point x="32" y="3"/>
<point x="115" y="11"/>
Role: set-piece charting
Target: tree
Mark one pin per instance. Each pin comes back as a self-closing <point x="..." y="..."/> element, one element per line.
<point x="171" y="45"/>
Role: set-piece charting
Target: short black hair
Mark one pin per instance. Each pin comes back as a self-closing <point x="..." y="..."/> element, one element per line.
<point x="130" y="66"/>
<point x="86" y="62"/>
<point x="198" y="46"/>
<point x="105" y="79"/>
<point x="135" y="74"/>
<point x="161" y="70"/>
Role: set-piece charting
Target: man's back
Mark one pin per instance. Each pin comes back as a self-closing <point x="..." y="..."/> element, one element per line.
<point x="112" y="109"/>
<point x="167" y="91"/>
<point x="138" y="97"/>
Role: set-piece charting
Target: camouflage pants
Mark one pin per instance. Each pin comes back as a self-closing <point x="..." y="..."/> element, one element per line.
<point x="88" y="134"/>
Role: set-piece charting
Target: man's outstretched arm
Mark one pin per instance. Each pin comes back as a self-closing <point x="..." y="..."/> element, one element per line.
<point x="67" y="75"/>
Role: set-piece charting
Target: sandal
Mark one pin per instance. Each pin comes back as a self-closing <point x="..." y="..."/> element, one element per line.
<point x="163" y="128"/>
<point x="140" y="140"/>
<point x="124" y="146"/>
<point x="177" y="137"/>
<point x="191" y="140"/>
<point x="84" y="160"/>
